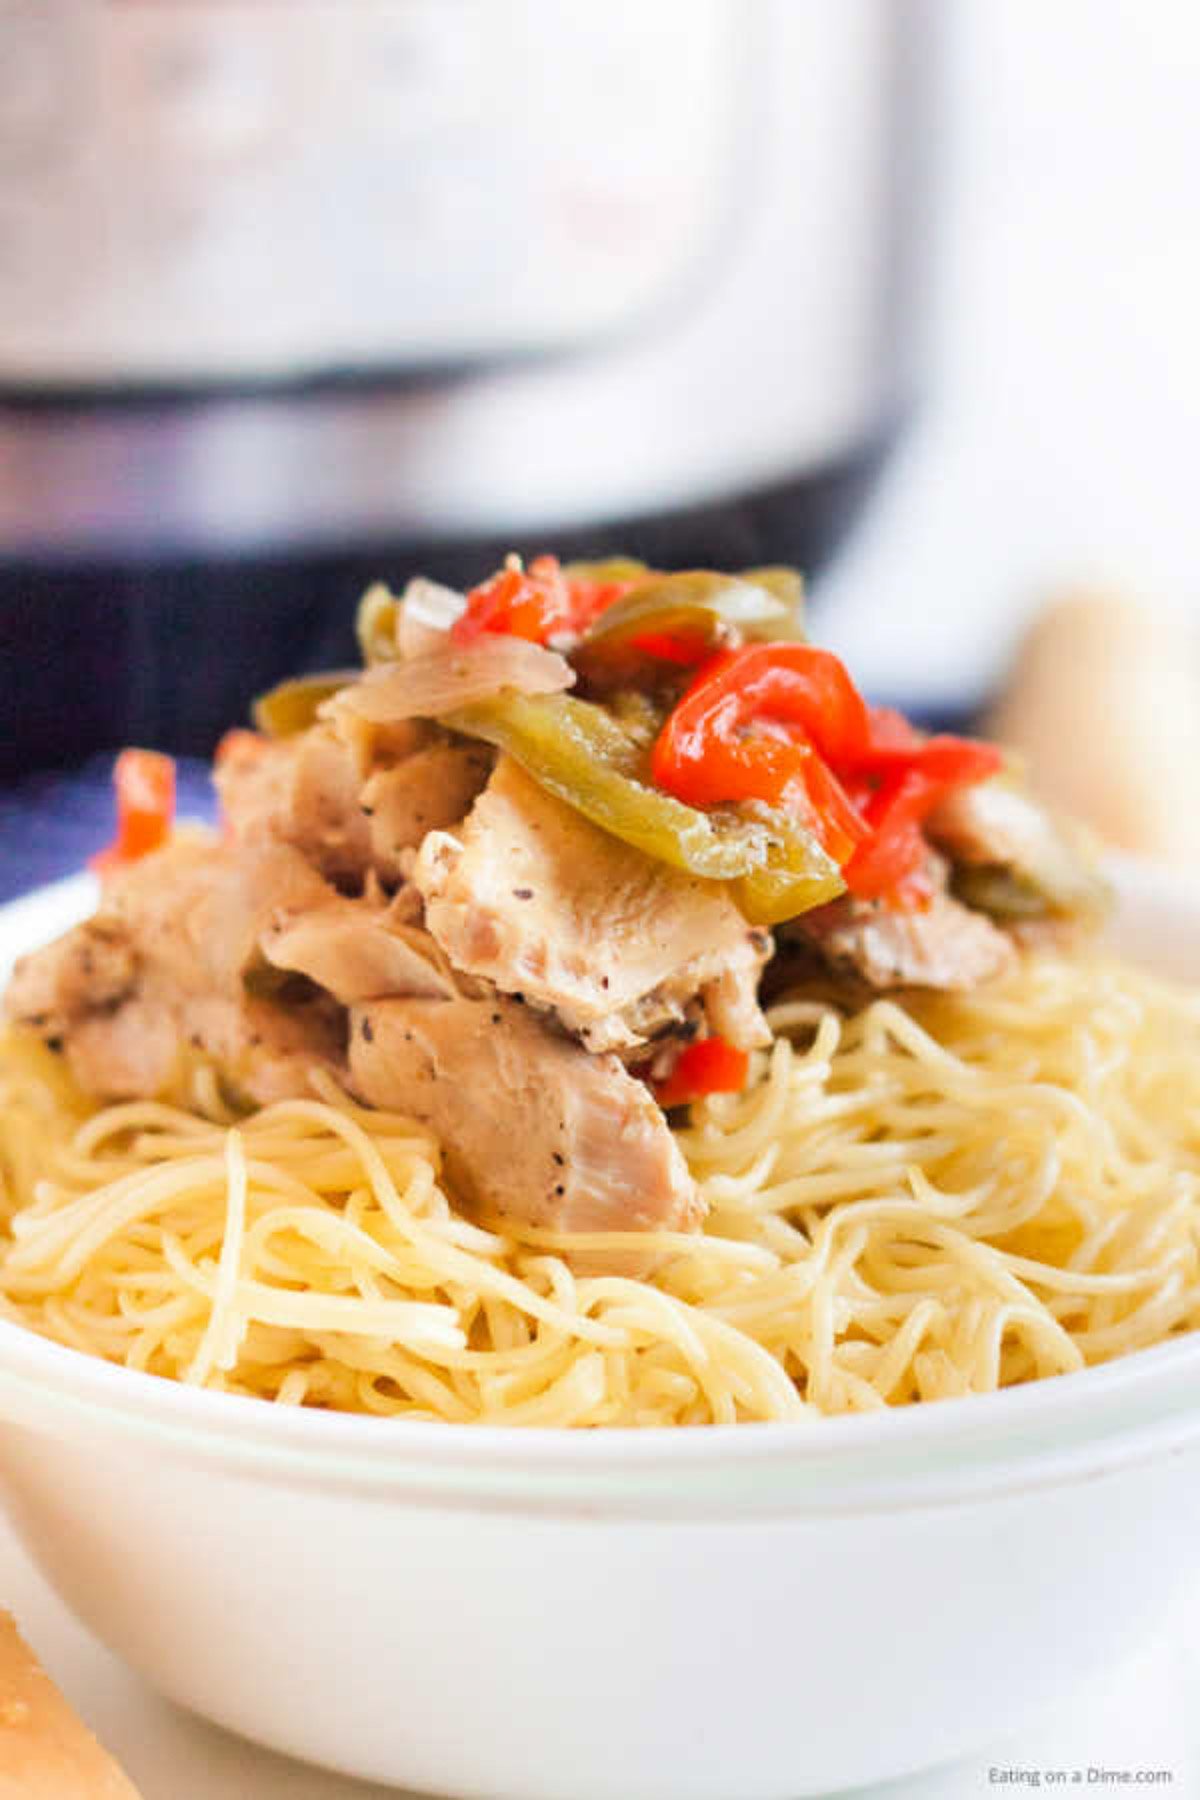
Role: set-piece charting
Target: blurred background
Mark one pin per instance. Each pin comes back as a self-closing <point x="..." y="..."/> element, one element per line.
<point x="1056" y="442"/>
<point x="294" y="295"/>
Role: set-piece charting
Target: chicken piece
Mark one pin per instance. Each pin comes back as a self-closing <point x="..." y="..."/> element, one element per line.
<point x="992" y="822"/>
<point x="190" y="913"/>
<point x="533" y="898"/>
<point x="92" y="967"/>
<point x="351" y="797"/>
<point x="171" y="961"/>
<point x="302" y="791"/>
<point x="1016" y="860"/>
<point x="433" y="788"/>
<point x="194" y="912"/>
<point x="127" y="1052"/>
<point x="535" y="1129"/>
<point x="945" y="945"/>
<point x="264" y="1049"/>
<point x="730" y="1006"/>
<point x="358" y="951"/>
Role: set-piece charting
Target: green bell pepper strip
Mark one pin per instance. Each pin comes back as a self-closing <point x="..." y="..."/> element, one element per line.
<point x="292" y="706"/>
<point x="682" y="618"/>
<point x="1012" y="894"/>
<point x="582" y="754"/>
<point x="677" y="618"/>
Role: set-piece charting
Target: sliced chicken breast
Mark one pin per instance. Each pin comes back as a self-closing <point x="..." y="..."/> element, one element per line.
<point x="534" y="1128"/>
<point x="433" y="788"/>
<point x="351" y="797"/>
<point x="1016" y="859"/>
<point x="302" y="791"/>
<point x="946" y="945"/>
<point x="358" y="950"/>
<point x="90" y="968"/>
<point x="171" y="962"/>
<point x="533" y="898"/>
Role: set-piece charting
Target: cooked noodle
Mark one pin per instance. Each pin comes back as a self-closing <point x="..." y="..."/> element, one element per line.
<point x="935" y="1197"/>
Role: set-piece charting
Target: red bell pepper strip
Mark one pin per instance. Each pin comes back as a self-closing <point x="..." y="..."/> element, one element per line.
<point x="890" y="864"/>
<point x="684" y="649"/>
<point x="145" y="789"/>
<point x="784" y="724"/>
<point x="709" y="1066"/>
<point x="536" y="603"/>
<point x="712" y="728"/>
<point x="769" y="722"/>
<point x="590" y="598"/>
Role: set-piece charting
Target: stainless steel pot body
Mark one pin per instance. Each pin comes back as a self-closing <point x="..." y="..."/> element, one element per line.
<point x="296" y="294"/>
<point x="316" y="272"/>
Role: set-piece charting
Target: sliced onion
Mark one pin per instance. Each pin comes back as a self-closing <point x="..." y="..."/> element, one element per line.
<point x="425" y="687"/>
<point x="425" y="615"/>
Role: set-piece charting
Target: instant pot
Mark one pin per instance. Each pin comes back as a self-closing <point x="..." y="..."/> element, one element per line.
<point x="294" y="296"/>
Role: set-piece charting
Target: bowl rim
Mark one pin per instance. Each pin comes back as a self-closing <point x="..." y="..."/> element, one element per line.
<point x="1061" y="1427"/>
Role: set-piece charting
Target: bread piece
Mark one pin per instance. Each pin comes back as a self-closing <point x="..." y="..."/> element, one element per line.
<point x="1103" y="704"/>
<point x="46" y="1753"/>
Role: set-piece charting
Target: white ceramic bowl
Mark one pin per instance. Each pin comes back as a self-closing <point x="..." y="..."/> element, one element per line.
<point x="744" y="1613"/>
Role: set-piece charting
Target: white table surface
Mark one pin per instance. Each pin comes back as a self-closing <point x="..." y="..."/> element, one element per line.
<point x="1145" y="1715"/>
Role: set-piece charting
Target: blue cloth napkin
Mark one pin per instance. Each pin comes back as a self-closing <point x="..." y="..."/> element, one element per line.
<point x="52" y="822"/>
